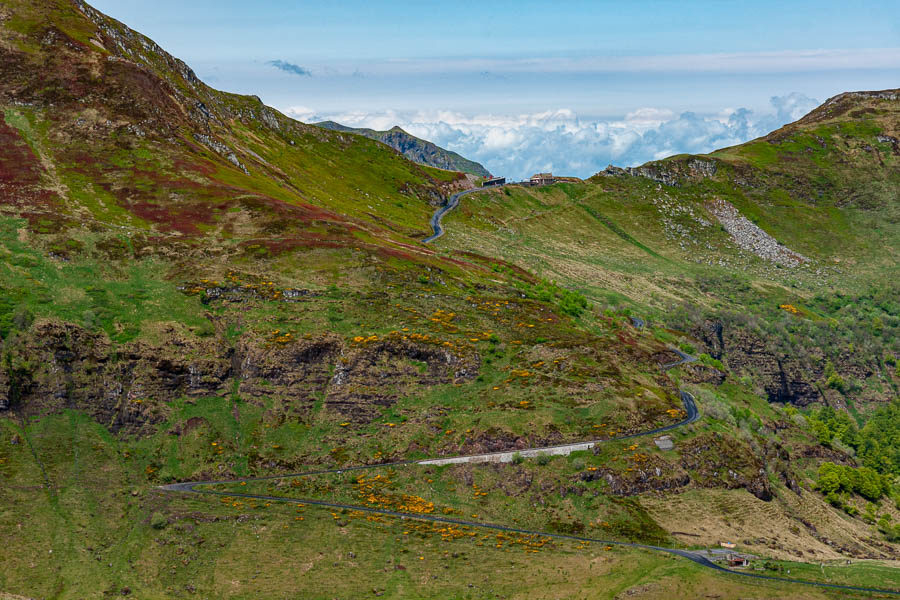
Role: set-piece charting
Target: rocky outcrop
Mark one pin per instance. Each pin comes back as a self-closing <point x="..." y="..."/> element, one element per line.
<point x="125" y="388"/>
<point x="670" y="172"/>
<point x="220" y="148"/>
<point x="415" y="149"/>
<point x="655" y="474"/>
<point x="784" y="378"/>
<point x="715" y="460"/>
<point x="710" y="461"/>
<point x="700" y="373"/>
<point x="130" y="387"/>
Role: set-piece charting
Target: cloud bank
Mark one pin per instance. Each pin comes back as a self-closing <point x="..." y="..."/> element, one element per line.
<point x="290" y="68"/>
<point x="558" y="140"/>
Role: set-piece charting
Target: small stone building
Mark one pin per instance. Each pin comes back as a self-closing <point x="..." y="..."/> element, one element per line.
<point x="542" y="179"/>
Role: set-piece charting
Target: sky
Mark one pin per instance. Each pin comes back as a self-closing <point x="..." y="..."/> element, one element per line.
<point x="525" y="86"/>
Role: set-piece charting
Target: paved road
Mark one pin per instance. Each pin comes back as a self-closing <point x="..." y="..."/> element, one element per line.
<point x="690" y="406"/>
<point x="685" y="358"/>
<point x="452" y="203"/>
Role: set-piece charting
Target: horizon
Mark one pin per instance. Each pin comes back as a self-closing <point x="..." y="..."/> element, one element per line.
<point x="535" y="88"/>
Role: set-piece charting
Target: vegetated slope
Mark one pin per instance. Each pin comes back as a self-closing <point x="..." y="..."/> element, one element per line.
<point x="781" y="253"/>
<point x="415" y="149"/>
<point x="193" y="286"/>
<point x="119" y="130"/>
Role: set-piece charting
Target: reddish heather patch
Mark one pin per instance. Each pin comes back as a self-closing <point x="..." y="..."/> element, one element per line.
<point x="48" y="221"/>
<point x="18" y="164"/>
<point x="278" y="246"/>
<point x="522" y="273"/>
<point x="300" y="211"/>
<point x="20" y="178"/>
<point x="204" y="167"/>
<point x="332" y="239"/>
<point x="626" y="339"/>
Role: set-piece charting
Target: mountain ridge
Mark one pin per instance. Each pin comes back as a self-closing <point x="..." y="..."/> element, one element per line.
<point x="416" y="149"/>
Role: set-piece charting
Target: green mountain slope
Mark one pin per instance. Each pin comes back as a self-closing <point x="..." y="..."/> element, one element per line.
<point x="790" y="241"/>
<point x="415" y="149"/>
<point x="195" y="287"/>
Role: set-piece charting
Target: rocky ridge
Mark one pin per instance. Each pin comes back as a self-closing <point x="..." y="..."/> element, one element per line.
<point x="415" y="149"/>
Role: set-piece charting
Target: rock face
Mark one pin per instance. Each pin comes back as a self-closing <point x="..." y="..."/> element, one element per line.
<point x="670" y="172"/>
<point x="129" y="388"/>
<point x="655" y="474"/>
<point x="664" y="443"/>
<point x="784" y="379"/>
<point x="356" y="380"/>
<point x="4" y="390"/>
<point x="698" y="373"/>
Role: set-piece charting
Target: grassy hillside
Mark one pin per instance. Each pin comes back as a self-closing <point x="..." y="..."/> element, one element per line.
<point x="790" y="240"/>
<point x="195" y="287"/>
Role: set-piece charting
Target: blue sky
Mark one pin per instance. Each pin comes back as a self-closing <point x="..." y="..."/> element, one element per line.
<point x="525" y="86"/>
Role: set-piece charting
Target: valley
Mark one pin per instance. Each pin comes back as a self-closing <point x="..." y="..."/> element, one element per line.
<point x="310" y="331"/>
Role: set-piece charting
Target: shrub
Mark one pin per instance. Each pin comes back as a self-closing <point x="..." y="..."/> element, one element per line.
<point x="687" y="348"/>
<point x="833" y="378"/>
<point x="158" y="520"/>
<point x="517" y="458"/>
<point x="543" y="458"/>
<point x="709" y="361"/>
<point x="799" y="420"/>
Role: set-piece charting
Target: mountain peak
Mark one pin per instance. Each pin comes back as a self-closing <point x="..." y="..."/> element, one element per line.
<point x="415" y="149"/>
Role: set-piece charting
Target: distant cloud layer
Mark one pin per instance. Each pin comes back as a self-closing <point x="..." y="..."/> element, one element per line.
<point x="557" y="140"/>
<point x="290" y="68"/>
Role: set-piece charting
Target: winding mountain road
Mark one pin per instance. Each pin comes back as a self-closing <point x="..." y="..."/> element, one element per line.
<point x="690" y="407"/>
<point x="452" y="203"/>
<point x="692" y="414"/>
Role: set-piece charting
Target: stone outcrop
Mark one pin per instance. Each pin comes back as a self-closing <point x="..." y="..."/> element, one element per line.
<point x="130" y="387"/>
<point x="415" y="149"/>
<point x="784" y="378"/>
<point x="709" y="461"/>
<point x="654" y="475"/>
<point x="715" y="460"/>
<point x="699" y="373"/>
<point x="125" y="388"/>
<point x="220" y="148"/>
<point x="671" y="172"/>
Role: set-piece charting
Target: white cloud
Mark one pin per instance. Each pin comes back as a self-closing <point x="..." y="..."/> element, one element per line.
<point x="649" y="115"/>
<point x="519" y="145"/>
<point x="301" y="113"/>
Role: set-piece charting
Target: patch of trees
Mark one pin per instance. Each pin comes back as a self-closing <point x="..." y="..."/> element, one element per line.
<point x="837" y="481"/>
<point x="876" y="445"/>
